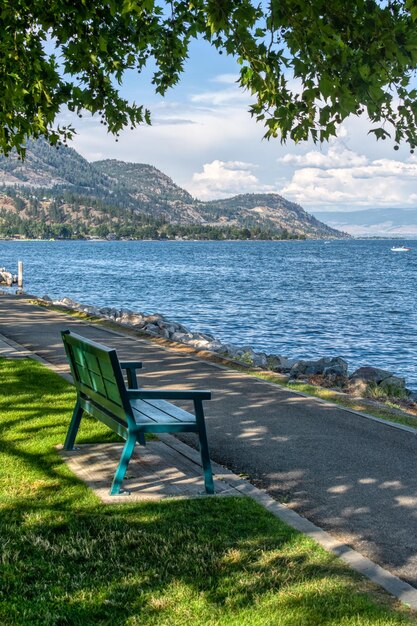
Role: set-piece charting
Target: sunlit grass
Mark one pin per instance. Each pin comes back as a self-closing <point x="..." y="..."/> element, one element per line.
<point x="66" y="558"/>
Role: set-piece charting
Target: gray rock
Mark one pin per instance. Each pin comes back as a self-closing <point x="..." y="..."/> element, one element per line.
<point x="176" y="328"/>
<point x="298" y="369"/>
<point x="334" y="371"/>
<point x="260" y="359"/>
<point x="46" y="298"/>
<point x="133" y="319"/>
<point x="152" y="329"/>
<point x="182" y="337"/>
<point x="230" y="351"/>
<point x="154" y="318"/>
<point x="311" y="368"/>
<point x="207" y="336"/>
<point x="246" y="355"/>
<point x="393" y="385"/>
<point x="368" y="374"/>
<point x="204" y="344"/>
<point x="70" y="304"/>
<point x="274" y="362"/>
<point x="91" y="310"/>
<point x="365" y="376"/>
<point x="110" y="312"/>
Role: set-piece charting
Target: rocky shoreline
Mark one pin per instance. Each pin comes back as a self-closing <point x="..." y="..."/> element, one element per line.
<point x="331" y="372"/>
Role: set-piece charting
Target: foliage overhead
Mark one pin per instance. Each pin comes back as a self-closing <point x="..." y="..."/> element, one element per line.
<point x="307" y="63"/>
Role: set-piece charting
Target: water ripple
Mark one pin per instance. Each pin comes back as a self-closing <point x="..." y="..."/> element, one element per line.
<point x="353" y="298"/>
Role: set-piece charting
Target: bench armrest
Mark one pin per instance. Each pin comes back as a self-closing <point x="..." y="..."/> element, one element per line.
<point x="168" y="394"/>
<point x="131" y="367"/>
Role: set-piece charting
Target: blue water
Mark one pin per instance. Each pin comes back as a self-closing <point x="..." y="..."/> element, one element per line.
<point x="301" y="299"/>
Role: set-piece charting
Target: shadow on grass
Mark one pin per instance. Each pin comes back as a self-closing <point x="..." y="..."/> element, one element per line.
<point x="68" y="559"/>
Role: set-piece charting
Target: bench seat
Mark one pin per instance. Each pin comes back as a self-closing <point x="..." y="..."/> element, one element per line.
<point x="129" y="411"/>
<point x="159" y="412"/>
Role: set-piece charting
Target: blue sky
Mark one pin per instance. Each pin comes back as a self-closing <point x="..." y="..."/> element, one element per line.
<point x="204" y="139"/>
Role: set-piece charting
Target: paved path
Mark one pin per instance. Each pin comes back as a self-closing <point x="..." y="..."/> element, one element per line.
<point x="353" y="477"/>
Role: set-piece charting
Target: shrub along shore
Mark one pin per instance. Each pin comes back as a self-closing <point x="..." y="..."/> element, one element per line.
<point x="328" y="372"/>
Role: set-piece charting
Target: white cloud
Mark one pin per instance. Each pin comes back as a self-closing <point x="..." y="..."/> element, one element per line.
<point x="220" y="179"/>
<point x="377" y="184"/>
<point x="335" y="156"/>
<point x="219" y="97"/>
<point x="338" y="177"/>
<point x="227" y="79"/>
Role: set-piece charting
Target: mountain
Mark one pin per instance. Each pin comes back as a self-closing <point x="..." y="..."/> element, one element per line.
<point x="272" y="210"/>
<point x="374" y="222"/>
<point x="59" y="193"/>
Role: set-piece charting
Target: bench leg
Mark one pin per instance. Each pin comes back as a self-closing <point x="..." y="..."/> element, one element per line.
<point x="122" y="467"/>
<point x="73" y="427"/>
<point x="204" y="451"/>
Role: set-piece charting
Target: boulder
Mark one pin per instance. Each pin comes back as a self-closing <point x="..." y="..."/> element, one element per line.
<point x="91" y="310"/>
<point x="334" y="371"/>
<point x="174" y="327"/>
<point x="152" y="329"/>
<point x="154" y="318"/>
<point x="365" y="376"/>
<point x="298" y="369"/>
<point x="413" y="396"/>
<point x="46" y="298"/>
<point x="260" y="359"/>
<point x="312" y="368"/>
<point x="245" y="354"/>
<point x="110" y="312"/>
<point x="132" y="319"/>
<point x="278" y="363"/>
<point x="182" y="337"/>
<point x="394" y="385"/>
<point x="205" y="344"/>
<point x="368" y="374"/>
<point x="70" y="304"/>
<point x="230" y="351"/>
<point x="163" y="332"/>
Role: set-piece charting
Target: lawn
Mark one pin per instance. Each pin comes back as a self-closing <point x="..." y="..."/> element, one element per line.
<point x="66" y="558"/>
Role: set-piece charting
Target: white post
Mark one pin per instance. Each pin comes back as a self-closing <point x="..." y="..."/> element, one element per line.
<point x="20" y="275"/>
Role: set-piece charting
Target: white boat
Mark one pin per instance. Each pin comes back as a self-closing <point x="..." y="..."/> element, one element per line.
<point x="400" y="249"/>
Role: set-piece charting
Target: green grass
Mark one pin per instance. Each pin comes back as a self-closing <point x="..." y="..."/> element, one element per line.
<point x="66" y="558"/>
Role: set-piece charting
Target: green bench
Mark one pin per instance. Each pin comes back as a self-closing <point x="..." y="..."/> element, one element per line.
<point x="129" y="411"/>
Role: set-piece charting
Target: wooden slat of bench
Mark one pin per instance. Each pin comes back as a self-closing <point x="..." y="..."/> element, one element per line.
<point x="171" y="409"/>
<point x="160" y="411"/>
<point x="112" y="422"/>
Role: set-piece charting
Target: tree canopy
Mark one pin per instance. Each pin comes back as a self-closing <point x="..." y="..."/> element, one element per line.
<point x="308" y="64"/>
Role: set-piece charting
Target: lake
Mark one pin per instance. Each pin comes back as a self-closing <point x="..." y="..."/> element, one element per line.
<point x="297" y="298"/>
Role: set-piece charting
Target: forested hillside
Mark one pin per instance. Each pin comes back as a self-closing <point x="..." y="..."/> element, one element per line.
<point x="57" y="193"/>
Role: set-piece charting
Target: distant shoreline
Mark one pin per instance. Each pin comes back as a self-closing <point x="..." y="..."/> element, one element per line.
<point x="124" y="240"/>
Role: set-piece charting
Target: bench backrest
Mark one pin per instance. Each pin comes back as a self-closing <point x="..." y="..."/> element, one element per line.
<point x="97" y="375"/>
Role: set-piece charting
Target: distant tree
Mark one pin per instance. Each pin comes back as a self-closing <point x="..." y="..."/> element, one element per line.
<point x="347" y="58"/>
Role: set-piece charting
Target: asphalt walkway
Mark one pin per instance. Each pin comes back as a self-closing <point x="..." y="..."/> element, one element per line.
<point x="352" y="476"/>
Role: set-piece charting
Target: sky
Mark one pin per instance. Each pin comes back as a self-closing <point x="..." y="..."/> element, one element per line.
<point x="203" y="137"/>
